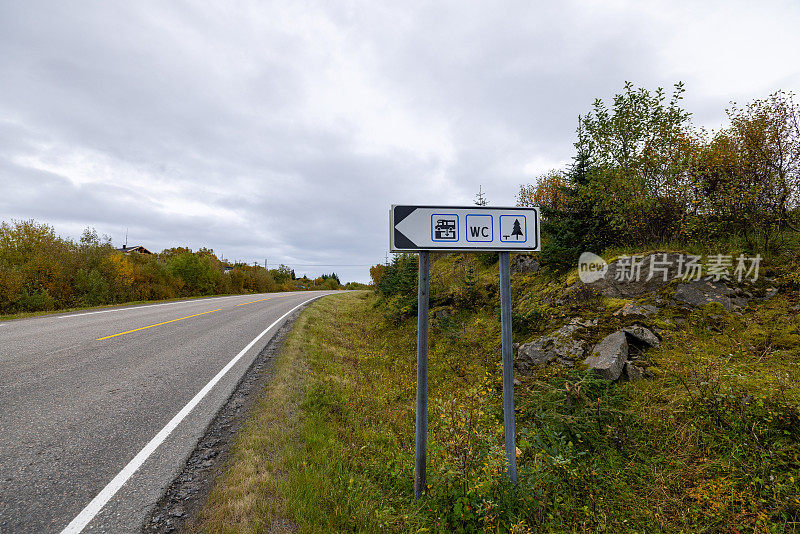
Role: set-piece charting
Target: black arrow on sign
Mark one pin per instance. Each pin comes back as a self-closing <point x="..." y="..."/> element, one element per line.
<point x="400" y="239"/>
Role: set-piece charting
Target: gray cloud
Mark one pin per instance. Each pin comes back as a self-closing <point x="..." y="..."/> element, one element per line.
<point x="284" y="130"/>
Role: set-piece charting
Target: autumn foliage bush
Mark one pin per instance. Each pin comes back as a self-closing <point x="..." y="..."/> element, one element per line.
<point x="41" y="271"/>
<point x="644" y="175"/>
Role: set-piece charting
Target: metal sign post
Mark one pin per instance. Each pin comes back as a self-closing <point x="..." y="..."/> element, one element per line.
<point x="421" y="443"/>
<point x="422" y="229"/>
<point x="509" y="424"/>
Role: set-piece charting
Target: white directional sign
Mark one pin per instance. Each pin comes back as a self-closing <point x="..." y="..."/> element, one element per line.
<point x="463" y="228"/>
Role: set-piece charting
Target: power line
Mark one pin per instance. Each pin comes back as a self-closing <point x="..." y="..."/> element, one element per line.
<point x="319" y="264"/>
<point x="328" y="265"/>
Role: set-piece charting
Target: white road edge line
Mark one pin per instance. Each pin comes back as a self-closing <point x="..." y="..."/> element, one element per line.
<point x="146" y="306"/>
<point x="102" y="498"/>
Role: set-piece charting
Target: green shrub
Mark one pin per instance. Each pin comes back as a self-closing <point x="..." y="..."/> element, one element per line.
<point x="579" y="225"/>
<point x="760" y="438"/>
<point x="91" y="287"/>
<point x="397" y="287"/>
<point x="195" y="272"/>
<point x="35" y="300"/>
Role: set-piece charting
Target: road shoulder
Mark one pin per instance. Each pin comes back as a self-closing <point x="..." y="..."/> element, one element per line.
<point x="181" y="505"/>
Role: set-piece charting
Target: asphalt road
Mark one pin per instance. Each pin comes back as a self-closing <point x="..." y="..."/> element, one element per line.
<point x="83" y="395"/>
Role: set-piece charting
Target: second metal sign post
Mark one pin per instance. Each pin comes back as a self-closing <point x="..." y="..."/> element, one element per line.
<point x="423" y="229"/>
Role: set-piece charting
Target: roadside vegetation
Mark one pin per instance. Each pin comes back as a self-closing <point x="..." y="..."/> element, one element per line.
<point x="40" y="271"/>
<point x="708" y="441"/>
<point x="711" y="443"/>
<point x="643" y="175"/>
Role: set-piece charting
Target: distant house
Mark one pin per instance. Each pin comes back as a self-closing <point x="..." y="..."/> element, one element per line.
<point x="227" y="269"/>
<point x="139" y="249"/>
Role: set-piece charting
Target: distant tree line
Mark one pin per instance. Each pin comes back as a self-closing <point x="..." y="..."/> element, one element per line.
<point x="42" y="271"/>
<point x="332" y="276"/>
<point x="644" y="175"/>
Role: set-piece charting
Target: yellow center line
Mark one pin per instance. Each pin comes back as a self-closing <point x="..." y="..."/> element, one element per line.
<point x="252" y="301"/>
<point x="158" y="324"/>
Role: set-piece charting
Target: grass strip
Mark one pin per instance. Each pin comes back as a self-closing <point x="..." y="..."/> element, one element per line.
<point x="248" y="497"/>
<point x="287" y="470"/>
<point x="710" y="444"/>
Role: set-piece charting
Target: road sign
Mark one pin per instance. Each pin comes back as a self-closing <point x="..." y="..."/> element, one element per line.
<point x="463" y="228"/>
<point x="423" y="229"/>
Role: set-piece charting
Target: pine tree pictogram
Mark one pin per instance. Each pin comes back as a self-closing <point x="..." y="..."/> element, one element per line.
<point x="517" y="230"/>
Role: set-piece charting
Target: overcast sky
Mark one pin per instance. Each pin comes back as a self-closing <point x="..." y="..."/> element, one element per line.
<point x="284" y="130"/>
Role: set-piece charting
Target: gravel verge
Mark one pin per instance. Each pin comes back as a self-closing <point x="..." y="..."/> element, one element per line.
<point x="189" y="491"/>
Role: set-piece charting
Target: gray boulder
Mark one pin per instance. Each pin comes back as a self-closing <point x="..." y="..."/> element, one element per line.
<point x="642" y="335"/>
<point x="524" y="264"/>
<point x="560" y="345"/>
<point x="632" y="372"/>
<point x="629" y="278"/>
<point x="609" y="356"/>
<point x="771" y="292"/>
<point x="623" y="279"/>
<point x="699" y="292"/>
<point x="635" y="309"/>
<point x="583" y="322"/>
<point x="577" y="295"/>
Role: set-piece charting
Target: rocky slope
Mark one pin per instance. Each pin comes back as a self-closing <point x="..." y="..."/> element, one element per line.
<point x="653" y="296"/>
